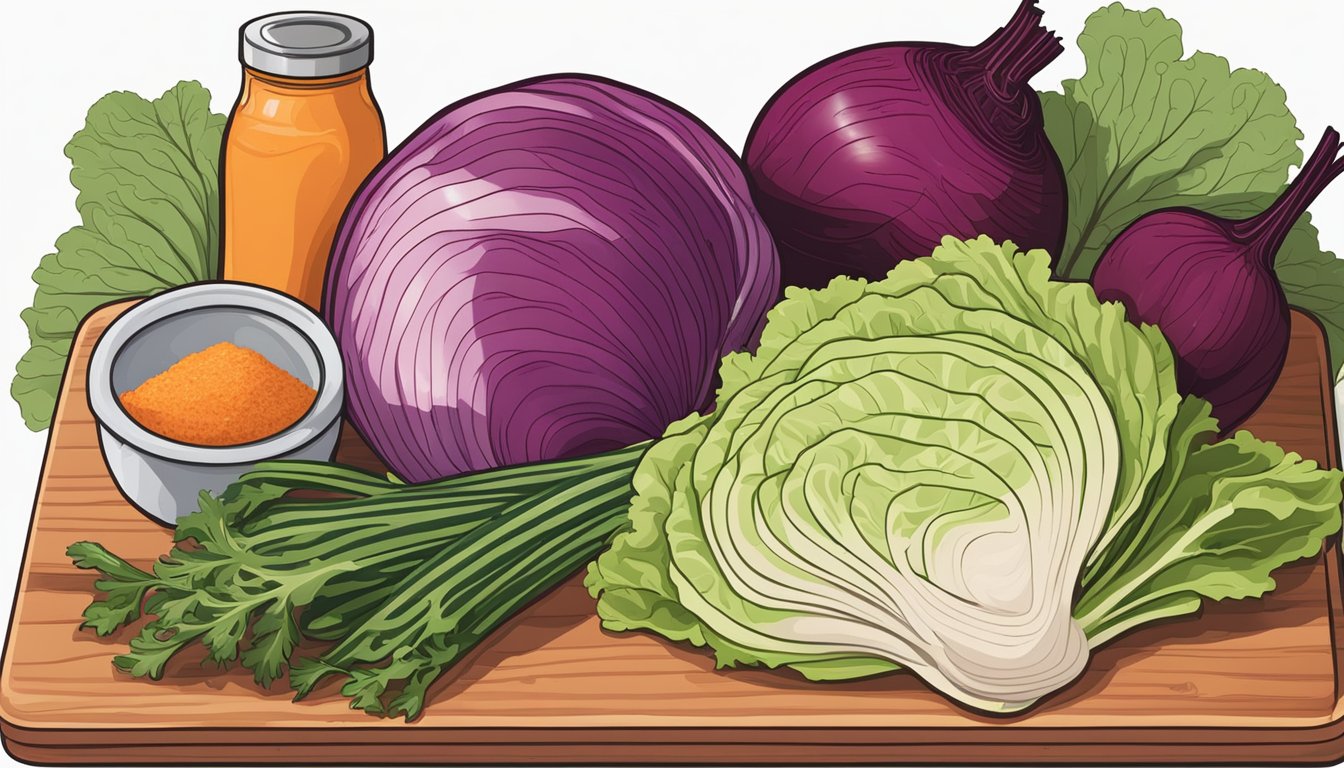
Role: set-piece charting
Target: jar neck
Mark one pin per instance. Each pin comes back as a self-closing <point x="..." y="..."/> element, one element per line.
<point x="280" y="82"/>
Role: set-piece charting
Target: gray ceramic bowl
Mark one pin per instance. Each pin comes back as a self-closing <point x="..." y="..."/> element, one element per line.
<point x="164" y="477"/>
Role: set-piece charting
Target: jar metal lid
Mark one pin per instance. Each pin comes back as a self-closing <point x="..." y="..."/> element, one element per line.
<point x="306" y="44"/>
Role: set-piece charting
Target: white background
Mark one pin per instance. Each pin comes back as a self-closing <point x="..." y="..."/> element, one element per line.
<point x="721" y="60"/>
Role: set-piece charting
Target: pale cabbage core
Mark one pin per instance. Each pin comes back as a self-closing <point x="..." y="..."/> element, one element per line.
<point x="922" y="500"/>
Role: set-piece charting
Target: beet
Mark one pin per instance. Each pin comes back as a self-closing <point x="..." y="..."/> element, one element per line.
<point x="1208" y="284"/>
<point x="873" y="156"/>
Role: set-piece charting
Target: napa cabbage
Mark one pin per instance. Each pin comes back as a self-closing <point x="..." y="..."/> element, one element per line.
<point x="967" y="470"/>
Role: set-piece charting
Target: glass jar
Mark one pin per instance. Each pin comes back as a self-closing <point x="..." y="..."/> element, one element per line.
<point x="303" y="135"/>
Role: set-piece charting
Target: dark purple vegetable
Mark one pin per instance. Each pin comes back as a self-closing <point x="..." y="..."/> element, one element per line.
<point x="1208" y="284"/>
<point x="874" y="155"/>
<point x="546" y="270"/>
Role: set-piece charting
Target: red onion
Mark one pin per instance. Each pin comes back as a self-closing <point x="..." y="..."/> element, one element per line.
<point x="1208" y="283"/>
<point x="874" y="155"/>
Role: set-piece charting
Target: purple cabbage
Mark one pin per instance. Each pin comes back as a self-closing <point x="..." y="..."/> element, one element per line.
<point x="1208" y="284"/>
<point x="550" y="269"/>
<point x="873" y="156"/>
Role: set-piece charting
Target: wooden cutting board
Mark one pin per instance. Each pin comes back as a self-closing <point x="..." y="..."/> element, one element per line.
<point x="1251" y="681"/>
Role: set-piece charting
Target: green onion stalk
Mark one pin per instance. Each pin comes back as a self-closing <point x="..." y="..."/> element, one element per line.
<point x="401" y="579"/>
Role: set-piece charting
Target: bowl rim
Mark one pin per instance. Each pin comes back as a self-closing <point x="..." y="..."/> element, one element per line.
<point x="105" y="404"/>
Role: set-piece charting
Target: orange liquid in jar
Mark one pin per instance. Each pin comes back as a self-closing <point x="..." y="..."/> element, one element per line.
<point x="295" y="151"/>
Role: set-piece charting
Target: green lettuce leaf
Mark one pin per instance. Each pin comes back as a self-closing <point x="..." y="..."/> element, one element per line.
<point x="1236" y="511"/>
<point x="148" y="180"/>
<point x="1146" y="128"/>
<point x="1313" y="279"/>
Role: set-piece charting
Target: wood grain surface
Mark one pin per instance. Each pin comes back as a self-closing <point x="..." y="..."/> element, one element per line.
<point x="1252" y="681"/>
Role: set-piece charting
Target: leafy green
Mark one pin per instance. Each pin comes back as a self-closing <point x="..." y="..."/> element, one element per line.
<point x="124" y="587"/>
<point x="1147" y="128"/>
<point x="899" y="462"/>
<point x="148" y="181"/>
<point x="1313" y="279"/>
<point x="950" y="441"/>
<point x="1240" y="509"/>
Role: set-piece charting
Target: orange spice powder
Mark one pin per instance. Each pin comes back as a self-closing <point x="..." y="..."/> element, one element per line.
<point x="222" y="395"/>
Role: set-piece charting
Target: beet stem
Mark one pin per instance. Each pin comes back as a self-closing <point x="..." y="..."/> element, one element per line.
<point x="1017" y="50"/>
<point x="1267" y="230"/>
